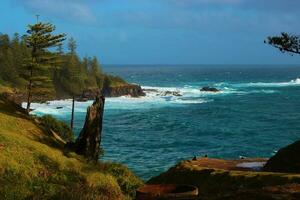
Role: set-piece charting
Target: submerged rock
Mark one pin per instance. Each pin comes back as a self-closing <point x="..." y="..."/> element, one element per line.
<point x="286" y="160"/>
<point x="209" y="89"/>
<point x="150" y="90"/>
<point x="171" y="93"/>
<point x="88" y="142"/>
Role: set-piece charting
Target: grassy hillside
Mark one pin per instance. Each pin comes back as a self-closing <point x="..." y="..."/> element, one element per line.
<point x="5" y="89"/>
<point x="115" y="81"/>
<point x="217" y="183"/>
<point x="33" y="165"/>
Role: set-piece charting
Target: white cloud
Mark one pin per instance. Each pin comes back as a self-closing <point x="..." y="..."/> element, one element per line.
<point x="74" y="10"/>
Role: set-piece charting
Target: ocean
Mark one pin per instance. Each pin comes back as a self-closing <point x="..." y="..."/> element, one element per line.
<point x="256" y="113"/>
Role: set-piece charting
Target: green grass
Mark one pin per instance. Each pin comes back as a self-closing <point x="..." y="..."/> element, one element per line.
<point x="116" y="81"/>
<point x="59" y="127"/>
<point x="34" y="165"/>
<point x="6" y="89"/>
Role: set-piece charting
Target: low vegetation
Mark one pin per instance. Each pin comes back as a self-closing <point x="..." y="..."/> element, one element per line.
<point x="34" y="165"/>
<point x="51" y="124"/>
<point x="115" y="81"/>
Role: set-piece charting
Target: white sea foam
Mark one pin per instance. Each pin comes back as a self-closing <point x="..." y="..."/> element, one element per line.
<point x="295" y="82"/>
<point x="155" y="97"/>
<point x="57" y="107"/>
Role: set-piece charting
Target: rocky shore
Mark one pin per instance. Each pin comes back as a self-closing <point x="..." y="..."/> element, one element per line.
<point x="256" y="178"/>
<point x="132" y="90"/>
<point x="231" y="179"/>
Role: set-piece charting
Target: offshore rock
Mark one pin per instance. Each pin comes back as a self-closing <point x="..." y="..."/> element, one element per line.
<point x="171" y="93"/>
<point x="88" y="142"/>
<point x="209" y="89"/>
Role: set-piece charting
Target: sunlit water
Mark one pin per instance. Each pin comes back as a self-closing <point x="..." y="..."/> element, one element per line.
<point x="257" y="112"/>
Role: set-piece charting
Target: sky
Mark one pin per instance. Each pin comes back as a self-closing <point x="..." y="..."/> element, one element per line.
<point x="164" y="31"/>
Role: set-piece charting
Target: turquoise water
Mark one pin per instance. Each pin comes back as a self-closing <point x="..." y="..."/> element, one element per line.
<point x="257" y="112"/>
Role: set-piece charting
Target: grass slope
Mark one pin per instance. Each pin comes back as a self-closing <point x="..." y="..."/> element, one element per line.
<point x="33" y="165"/>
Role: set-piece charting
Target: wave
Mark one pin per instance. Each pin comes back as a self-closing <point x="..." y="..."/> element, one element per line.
<point x="295" y="82"/>
<point x="159" y="97"/>
<point x="63" y="107"/>
<point x="194" y="92"/>
<point x="57" y="107"/>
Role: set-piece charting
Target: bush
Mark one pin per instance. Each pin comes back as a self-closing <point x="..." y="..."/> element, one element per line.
<point x="59" y="127"/>
<point x="115" y="81"/>
<point x="127" y="181"/>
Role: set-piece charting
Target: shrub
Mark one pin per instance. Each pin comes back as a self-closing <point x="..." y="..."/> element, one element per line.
<point x="115" y="81"/>
<point x="59" y="127"/>
<point x="127" y="181"/>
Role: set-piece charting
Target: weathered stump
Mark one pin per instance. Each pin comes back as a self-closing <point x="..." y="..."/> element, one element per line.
<point x="88" y="142"/>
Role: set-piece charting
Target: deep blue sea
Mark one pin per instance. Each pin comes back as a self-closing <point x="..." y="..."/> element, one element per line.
<point x="257" y="112"/>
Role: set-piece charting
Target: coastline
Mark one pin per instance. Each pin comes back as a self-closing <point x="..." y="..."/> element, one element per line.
<point x="132" y="90"/>
<point x="220" y="179"/>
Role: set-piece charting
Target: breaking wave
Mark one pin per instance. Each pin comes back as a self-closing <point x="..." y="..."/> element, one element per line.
<point x="295" y="82"/>
<point x="163" y="96"/>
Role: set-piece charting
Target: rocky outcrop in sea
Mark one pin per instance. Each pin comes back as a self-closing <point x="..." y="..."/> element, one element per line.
<point x="209" y="89"/>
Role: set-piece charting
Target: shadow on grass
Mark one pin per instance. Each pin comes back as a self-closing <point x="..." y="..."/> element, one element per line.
<point x="10" y="108"/>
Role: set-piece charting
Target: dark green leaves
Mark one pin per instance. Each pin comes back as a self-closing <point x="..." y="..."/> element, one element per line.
<point x="285" y="43"/>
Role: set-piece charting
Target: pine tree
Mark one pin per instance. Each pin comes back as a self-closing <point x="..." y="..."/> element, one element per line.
<point x="97" y="72"/>
<point x="285" y="43"/>
<point x="72" y="46"/>
<point x="9" y="73"/>
<point x="72" y="78"/>
<point x="39" y="39"/>
<point x="20" y="52"/>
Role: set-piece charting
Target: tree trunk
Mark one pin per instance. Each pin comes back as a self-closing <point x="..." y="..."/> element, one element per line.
<point x="88" y="142"/>
<point x="72" y="115"/>
<point x="29" y="94"/>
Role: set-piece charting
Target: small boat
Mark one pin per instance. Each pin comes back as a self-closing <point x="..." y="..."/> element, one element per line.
<point x="59" y="107"/>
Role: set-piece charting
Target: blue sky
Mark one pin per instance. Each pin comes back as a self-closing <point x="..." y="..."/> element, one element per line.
<point x="164" y="31"/>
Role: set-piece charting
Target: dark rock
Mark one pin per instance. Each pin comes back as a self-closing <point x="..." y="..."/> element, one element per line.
<point x="15" y="96"/>
<point x="171" y="93"/>
<point x="150" y="90"/>
<point x="286" y="160"/>
<point x="89" y="94"/>
<point x="82" y="99"/>
<point x="124" y="90"/>
<point x="209" y="89"/>
<point x="132" y="90"/>
<point x="89" y="139"/>
<point x="19" y="97"/>
<point x="59" y="107"/>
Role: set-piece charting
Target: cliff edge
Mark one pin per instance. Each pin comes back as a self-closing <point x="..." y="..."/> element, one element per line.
<point x="228" y="179"/>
